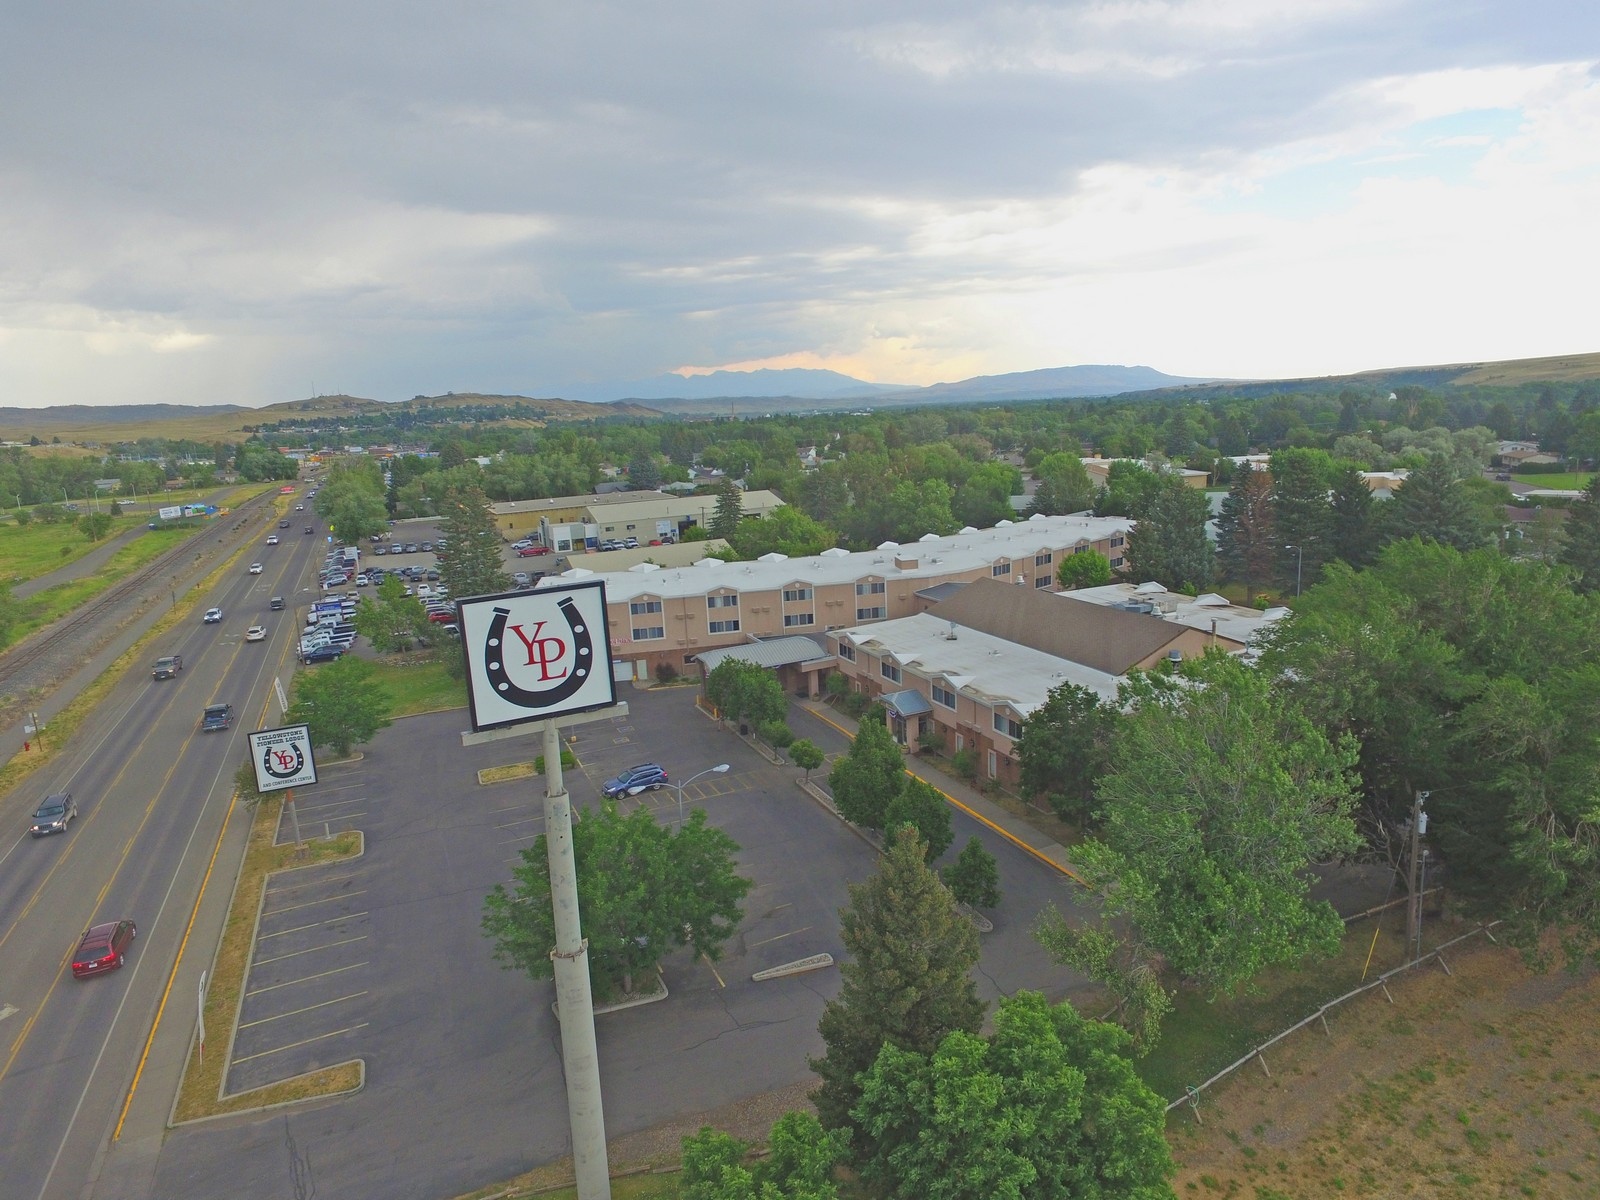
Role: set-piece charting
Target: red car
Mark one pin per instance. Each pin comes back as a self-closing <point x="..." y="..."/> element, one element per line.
<point x="103" y="948"/>
<point x="532" y="551"/>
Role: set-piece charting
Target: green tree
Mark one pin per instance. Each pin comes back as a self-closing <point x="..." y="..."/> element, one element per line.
<point x="799" y="1164"/>
<point x="1084" y="570"/>
<point x="912" y="510"/>
<point x="1049" y="1105"/>
<point x="1433" y="504"/>
<point x="729" y="511"/>
<point x="642" y="889"/>
<point x="1302" y="514"/>
<point x="11" y="616"/>
<point x="868" y="778"/>
<point x="1582" y="549"/>
<point x="984" y="498"/>
<point x="1220" y="796"/>
<point x="1353" y="529"/>
<point x="785" y="530"/>
<point x="1247" y="546"/>
<point x="807" y="755"/>
<point x="340" y="703"/>
<point x="974" y="878"/>
<point x="1065" y="484"/>
<point x="644" y="472"/>
<point x="95" y="525"/>
<point x="742" y="691"/>
<point x="390" y="619"/>
<point x="1169" y="543"/>
<point x="469" y="561"/>
<point x="351" y="500"/>
<point x="924" y="809"/>
<point x="907" y="979"/>
<point x="1063" y="749"/>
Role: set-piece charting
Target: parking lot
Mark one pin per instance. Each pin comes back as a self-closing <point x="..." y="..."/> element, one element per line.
<point x="384" y="959"/>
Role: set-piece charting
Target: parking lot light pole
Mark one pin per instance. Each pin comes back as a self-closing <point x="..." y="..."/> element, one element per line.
<point x="719" y="769"/>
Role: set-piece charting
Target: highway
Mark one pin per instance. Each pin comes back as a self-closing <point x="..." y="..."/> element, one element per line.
<point x="153" y="795"/>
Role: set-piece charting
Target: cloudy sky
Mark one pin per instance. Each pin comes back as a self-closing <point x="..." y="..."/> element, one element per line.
<point x="212" y="202"/>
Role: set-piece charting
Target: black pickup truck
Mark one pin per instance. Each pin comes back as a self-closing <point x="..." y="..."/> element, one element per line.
<point x="168" y="667"/>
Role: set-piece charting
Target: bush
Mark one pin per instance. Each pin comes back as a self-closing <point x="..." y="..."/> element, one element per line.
<point x="931" y="741"/>
<point x="666" y="672"/>
<point x="776" y="734"/>
<point x="854" y="704"/>
<point x="965" y="763"/>
<point x="836" y="685"/>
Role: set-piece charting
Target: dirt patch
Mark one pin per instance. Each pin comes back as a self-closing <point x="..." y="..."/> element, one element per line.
<point x="1481" y="1083"/>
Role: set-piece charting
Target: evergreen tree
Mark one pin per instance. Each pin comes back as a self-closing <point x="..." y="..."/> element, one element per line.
<point x="1582" y="549"/>
<point x="1169" y="543"/>
<point x="921" y="807"/>
<point x="867" y="779"/>
<point x="729" y="511"/>
<point x="1432" y="504"/>
<point x="1302" y="514"/>
<point x="907" y="980"/>
<point x="469" y="562"/>
<point x="1247" y="546"/>
<point x="1353" y="531"/>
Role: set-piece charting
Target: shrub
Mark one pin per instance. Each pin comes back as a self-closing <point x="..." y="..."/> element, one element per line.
<point x="666" y="672"/>
<point x="966" y="764"/>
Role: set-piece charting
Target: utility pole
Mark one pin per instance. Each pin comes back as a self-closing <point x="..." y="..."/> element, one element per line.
<point x="1419" y="826"/>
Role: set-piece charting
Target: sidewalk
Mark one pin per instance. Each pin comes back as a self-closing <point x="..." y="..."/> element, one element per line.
<point x="837" y="731"/>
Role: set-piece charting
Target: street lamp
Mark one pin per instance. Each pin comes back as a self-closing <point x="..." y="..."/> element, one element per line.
<point x="719" y="769"/>
<point x="1299" y="559"/>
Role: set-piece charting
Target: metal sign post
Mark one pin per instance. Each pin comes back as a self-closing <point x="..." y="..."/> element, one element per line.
<point x="545" y="657"/>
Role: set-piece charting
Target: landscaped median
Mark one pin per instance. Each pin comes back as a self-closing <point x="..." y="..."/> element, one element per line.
<point x="201" y="1094"/>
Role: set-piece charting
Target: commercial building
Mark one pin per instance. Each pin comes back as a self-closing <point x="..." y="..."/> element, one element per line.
<point x="566" y="523"/>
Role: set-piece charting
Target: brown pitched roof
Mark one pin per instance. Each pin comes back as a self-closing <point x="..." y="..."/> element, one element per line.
<point x="1107" y="639"/>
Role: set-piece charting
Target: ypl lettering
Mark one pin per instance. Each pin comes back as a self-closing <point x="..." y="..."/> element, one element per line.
<point x="540" y="653"/>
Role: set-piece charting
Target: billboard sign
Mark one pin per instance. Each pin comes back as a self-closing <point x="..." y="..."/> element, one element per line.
<point x="170" y="512"/>
<point x="282" y="758"/>
<point x="533" y="655"/>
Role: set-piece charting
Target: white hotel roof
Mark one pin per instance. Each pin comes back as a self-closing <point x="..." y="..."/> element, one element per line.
<point x="937" y="557"/>
<point x="1233" y="621"/>
<point x="985" y="668"/>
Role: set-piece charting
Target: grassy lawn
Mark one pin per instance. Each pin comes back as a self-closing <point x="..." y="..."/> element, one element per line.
<point x="419" y="685"/>
<point x="43" y="607"/>
<point x="1573" y="481"/>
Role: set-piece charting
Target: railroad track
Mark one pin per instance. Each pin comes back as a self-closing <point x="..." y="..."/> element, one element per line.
<point x="100" y="617"/>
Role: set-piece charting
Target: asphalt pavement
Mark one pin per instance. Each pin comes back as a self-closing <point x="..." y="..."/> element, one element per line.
<point x="153" y="794"/>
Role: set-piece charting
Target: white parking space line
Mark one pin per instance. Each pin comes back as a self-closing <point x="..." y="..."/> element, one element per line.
<point x="299" y="1011"/>
<point x="314" y="925"/>
<point x="321" y="1037"/>
<point x="778" y="937"/>
<point x="303" y="884"/>
<point x="272" y="987"/>
<point x="261" y="962"/>
<point x="311" y="808"/>
<point x="272" y="912"/>
<point x="524" y="821"/>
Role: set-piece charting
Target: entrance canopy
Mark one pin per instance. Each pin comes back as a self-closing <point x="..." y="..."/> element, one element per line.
<point x="907" y="704"/>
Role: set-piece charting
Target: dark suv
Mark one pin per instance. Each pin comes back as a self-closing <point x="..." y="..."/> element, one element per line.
<point x="168" y="667"/>
<point x="53" y="814"/>
<point x="216" y="717"/>
<point x="645" y="777"/>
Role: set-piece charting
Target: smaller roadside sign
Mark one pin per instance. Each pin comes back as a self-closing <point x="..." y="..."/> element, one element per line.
<point x="282" y="758"/>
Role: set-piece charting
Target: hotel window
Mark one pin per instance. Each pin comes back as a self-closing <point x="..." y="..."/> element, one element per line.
<point x="648" y="633"/>
<point x="642" y="608"/>
<point x="1000" y="568"/>
<point x="889" y="671"/>
<point x="871" y="589"/>
<point x="1044" y="560"/>
<point x="943" y="695"/>
<point x="1118" y="539"/>
<point x="790" y="620"/>
<point x="722" y="601"/>
<point x="795" y="595"/>
<point x="1043" y="581"/>
<point x="847" y="651"/>
<point x="1116" y="563"/>
<point x="722" y="626"/>
<point x="869" y="614"/>
<point x="1004" y="724"/>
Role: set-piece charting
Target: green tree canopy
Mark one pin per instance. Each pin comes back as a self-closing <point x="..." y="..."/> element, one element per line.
<point x="974" y="878"/>
<point x="799" y="1164"/>
<point x="642" y="889"/>
<point x="469" y="561"/>
<point x="924" y="809"/>
<point x="1247" y="540"/>
<point x="729" y="511"/>
<point x="390" y="619"/>
<point x="1083" y="570"/>
<point x="1064" y="747"/>
<point x="907" y="981"/>
<point x="1582" y="549"/>
<point x="340" y="703"/>
<point x="743" y="691"/>
<point x="1169" y="543"/>
<point x="868" y="778"/>
<point x="1220" y="795"/>
<point x="1049" y="1105"/>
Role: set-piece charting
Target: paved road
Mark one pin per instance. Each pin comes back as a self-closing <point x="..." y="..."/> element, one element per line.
<point x="153" y="794"/>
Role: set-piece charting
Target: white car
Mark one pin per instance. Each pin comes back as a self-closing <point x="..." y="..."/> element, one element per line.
<point x="255" y="568"/>
<point x="256" y="633"/>
<point x="213" y="616"/>
<point x="272" y="539"/>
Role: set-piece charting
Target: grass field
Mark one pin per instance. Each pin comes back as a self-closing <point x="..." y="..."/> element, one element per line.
<point x="419" y="685"/>
<point x="50" y="604"/>
<point x="1572" y="481"/>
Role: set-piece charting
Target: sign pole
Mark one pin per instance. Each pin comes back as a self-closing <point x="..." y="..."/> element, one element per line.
<point x="574" y="1002"/>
